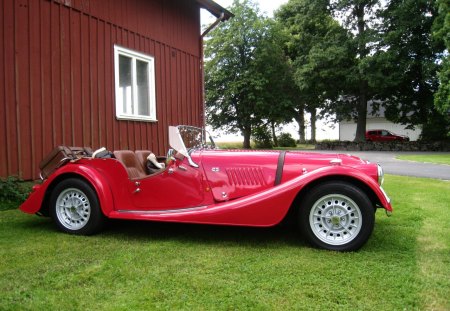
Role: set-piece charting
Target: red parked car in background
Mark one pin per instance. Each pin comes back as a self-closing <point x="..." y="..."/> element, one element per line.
<point x="332" y="197"/>
<point x="384" y="135"/>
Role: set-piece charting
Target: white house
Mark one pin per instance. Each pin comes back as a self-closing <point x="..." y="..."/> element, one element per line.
<point x="347" y="129"/>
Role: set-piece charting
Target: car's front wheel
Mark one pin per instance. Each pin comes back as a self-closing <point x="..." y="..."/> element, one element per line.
<point x="336" y="216"/>
<point x="74" y="207"/>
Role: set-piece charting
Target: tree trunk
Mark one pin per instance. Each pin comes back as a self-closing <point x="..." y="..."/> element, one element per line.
<point x="362" y="118"/>
<point x="360" y="135"/>
<point x="274" y="135"/>
<point x="247" y="132"/>
<point x="300" y="118"/>
<point x="313" y="124"/>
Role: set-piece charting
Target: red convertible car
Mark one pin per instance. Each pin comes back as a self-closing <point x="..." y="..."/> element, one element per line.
<point x="332" y="197"/>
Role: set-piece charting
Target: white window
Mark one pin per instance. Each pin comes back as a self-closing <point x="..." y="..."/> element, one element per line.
<point x="135" y="85"/>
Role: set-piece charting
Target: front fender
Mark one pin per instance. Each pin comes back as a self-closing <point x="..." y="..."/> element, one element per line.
<point x="345" y="172"/>
<point x="100" y="184"/>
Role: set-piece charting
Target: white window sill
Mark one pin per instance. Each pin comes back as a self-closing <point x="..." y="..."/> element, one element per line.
<point x="136" y="118"/>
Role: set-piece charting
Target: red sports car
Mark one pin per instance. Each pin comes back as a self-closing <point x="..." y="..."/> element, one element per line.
<point x="332" y="197"/>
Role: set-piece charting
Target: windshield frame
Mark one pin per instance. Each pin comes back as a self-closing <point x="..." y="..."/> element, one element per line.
<point x="185" y="139"/>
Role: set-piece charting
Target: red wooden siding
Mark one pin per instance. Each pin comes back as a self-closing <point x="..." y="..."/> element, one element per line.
<point x="57" y="75"/>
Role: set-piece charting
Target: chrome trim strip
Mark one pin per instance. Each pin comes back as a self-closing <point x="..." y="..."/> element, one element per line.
<point x="168" y="211"/>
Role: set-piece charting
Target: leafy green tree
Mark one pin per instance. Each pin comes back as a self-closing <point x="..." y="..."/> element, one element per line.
<point x="244" y="73"/>
<point x="274" y="66"/>
<point x="413" y="58"/>
<point x="363" y="82"/>
<point x="441" y="32"/>
<point x="320" y="53"/>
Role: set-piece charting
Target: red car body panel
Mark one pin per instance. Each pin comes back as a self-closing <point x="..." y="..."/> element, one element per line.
<point x="228" y="187"/>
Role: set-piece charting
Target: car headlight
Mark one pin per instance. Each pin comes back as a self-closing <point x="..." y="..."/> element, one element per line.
<point x="380" y="175"/>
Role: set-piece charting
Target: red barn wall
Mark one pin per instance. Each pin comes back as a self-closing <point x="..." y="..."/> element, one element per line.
<point x="57" y="75"/>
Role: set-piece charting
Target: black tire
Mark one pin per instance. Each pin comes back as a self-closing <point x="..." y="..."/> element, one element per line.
<point x="336" y="216"/>
<point x="75" y="208"/>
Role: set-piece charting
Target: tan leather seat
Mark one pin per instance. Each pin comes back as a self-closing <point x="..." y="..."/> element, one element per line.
<point x="131" y="162"/>
<point x="142" y="157"/>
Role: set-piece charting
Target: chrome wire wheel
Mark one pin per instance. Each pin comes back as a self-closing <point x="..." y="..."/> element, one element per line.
<point x="335" y="219"/>
<point x="73" y="208"/>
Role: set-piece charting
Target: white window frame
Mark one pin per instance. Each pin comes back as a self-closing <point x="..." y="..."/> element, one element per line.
<point x="120" y="113"/>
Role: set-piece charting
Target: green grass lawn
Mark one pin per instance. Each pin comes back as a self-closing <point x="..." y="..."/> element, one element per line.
<point x="144" y="266"/>
<point x="430" y="158"/>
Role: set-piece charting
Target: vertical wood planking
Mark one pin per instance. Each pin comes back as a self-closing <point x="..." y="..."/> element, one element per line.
<point x="10" y="88"/>
<point x="66" y="71"/>
<point x="109" y="87"/>
<point x="35" y="87"/>
<point x="85" y="80"/>
<point x="93" y="78"/>
<point x="101" y="84"/>
<point x="57" y="79"/>
<point x="76" y="79"/>
<point x="22" y="81"/>
<point x="3" y="125"/>
<point x="116" y="125"/>
<point x="45" y="78"/>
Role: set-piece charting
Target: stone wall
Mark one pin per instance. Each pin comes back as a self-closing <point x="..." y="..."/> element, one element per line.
<point x="384" y="146"/>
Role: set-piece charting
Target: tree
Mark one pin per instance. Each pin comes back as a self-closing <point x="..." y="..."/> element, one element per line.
<point x="318" y="47"/>
<point x="273" y="64"/>
<point x="441" y="32"/>
<point x="244" y="73"/>
<point x="362" y="83"/>
<point x="414" y="59"/>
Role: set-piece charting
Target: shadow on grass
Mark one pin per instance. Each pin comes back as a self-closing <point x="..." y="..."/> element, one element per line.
<point x="388" y="235"/>
<point x="36" y="224"/>
<point x="147" y="231"/>
<point x="203" y="234"/>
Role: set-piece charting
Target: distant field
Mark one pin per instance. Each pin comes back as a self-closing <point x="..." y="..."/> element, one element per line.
<point x="429" y="158"/>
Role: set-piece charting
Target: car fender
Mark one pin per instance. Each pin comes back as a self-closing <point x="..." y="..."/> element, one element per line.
<point x="346" y="172"/>
<point x="100" y="184"/>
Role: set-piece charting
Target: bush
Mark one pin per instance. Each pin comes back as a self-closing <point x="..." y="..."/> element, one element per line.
<point x="13" y="191"/>
<point x="286" y="140"/>
<point x="262" y="138"/>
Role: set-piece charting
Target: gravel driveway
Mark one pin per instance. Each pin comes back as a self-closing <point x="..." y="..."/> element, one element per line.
<point x="399" y="167"/>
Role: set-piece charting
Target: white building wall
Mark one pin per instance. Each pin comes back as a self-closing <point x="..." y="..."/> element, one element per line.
<point x="347" y="130"/>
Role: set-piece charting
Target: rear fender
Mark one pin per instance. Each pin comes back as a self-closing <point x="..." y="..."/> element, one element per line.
<point x="41" y="193"/>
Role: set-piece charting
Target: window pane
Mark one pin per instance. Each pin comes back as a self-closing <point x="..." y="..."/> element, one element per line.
<point x="125" y="84"/>
<point x="135" y="85"/>
<point x="143" y="92"/>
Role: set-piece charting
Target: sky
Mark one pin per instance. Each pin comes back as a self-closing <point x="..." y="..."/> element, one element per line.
<point x="324" y="131"/>
<point x="265" y="6"/>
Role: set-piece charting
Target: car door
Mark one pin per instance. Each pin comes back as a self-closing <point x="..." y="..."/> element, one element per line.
<point x="386" y="136"/>
<point x="177" y="186"/>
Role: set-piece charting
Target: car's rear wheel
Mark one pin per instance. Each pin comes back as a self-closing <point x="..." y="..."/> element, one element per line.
<point x="337" y="216"/>
<point x="75" y="208"/>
